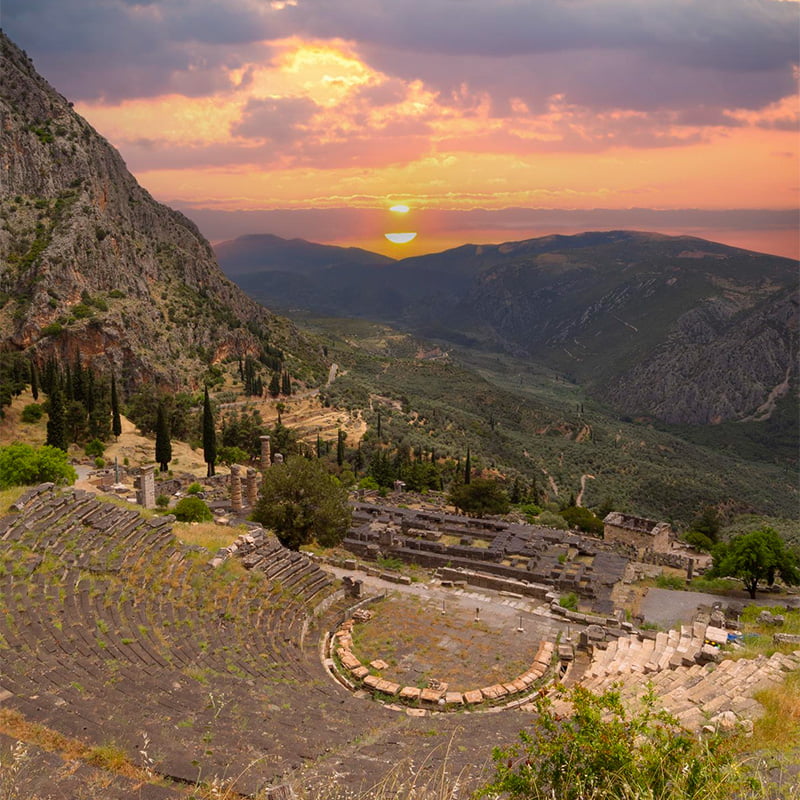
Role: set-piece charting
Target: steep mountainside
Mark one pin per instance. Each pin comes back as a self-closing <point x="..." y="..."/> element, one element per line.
<point x="90" y="262"/>
<point x="682" y="329"/>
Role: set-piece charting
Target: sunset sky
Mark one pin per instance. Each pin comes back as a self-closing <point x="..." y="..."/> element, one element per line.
<point x="492" y="120"/>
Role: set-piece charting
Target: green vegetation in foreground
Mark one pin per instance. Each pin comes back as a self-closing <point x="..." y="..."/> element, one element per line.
<point x="603" y="752"/>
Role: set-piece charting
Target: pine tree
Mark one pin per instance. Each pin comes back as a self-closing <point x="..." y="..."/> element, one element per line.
<point x="56" y="422"/>
<point x="34" y="381"/>
<point x="116" y="422"/>
<point x="209" y="435"/>
<point x="468" y="468"/>
<point x="163" y="443"/>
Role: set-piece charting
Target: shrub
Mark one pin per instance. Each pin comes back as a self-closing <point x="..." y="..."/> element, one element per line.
<point x="192" y="509"/>
<point x="33" y="412"/>
<point x="23" y="465"/>
<point x="603" y="752"/>
<point x="94" y="448"/>
<point x="699" y="541"/>
<point x="53" y="329"/>
<point x="162" y="501"/>
<point x="194" y="488"/>
<point x="582" y="519"/>
<point x="569" y="601"/>
<point x="548" y="519"/>
<point x="99" y="462"/>
<point x="670" y="582"/>
<point x="369" y="483"/>
<point x="530" y="510"/>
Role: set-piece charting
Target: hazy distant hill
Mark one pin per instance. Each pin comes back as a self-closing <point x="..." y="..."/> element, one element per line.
<point x="675" y="327"/>
<point x="263" y="252"/>
<point x="90" y="263"/>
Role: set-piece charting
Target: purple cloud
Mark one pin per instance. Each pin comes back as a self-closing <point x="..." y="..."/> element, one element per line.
<point x="639" y="54"/>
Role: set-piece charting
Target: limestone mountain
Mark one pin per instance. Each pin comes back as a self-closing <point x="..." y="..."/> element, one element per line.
<point x="674" y="327"/>
<point x="91" y="263"/>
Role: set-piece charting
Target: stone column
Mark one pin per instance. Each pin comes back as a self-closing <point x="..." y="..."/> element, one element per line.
<point x="146" y="490"/>
<point x="236" y="488"/>
<point x="252" y="486"/>
<point x="265" y="453"/>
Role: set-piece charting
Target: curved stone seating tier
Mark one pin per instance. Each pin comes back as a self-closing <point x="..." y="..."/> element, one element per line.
<point x="698" y="694"/>
<point x="356" y="675"/>
<point x="110" y="628"/>
<point x="294" y="572"/>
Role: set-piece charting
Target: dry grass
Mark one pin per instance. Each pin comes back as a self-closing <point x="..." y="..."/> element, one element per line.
<point x="9" y="496"/>
<point x="779" y="728"/>
<point x="108" y="757"/>
<point x="12" y="429"/>
<point x="206" y="534"/>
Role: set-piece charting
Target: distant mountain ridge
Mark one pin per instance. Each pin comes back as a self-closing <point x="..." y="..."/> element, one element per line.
<point x="90" y="263"/>
<point x="676" y="327"/>
<point x="265" y="252"/>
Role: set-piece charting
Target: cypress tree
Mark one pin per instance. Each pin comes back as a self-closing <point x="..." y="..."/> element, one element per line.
<point x="275" y="385"/>
<point x="163" y="443"/>
<point x="340" y="437"/>
<point x="56" y="422"/>
<point x="116" y="422"/>
<point x="209" y="435"/>
<point x="319" y="446"/>
<point x="34" y="381"/>
<point x="468" y="468"/>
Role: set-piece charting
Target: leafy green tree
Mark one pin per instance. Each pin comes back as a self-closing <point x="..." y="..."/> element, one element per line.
<point x="301" y="502"/>
<point x="604" y="752"/>
<point x="480" y="497"/>
<point x="116" y="421"/>
<point x="707" y="522"/>
<point x="192" y="509"/>
<point x="56" y="420"/>
<point x="24" y="465"/>
<point x="232" y="455"/>
<point x="758" y="556"/>
<point x="582" y="519"/>
<point x="549" y="519"/>
<point x="163" y="441"/>
<point x="209" y="435"/>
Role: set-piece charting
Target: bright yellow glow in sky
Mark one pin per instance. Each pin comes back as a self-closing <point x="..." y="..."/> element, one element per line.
<point x="334" y="132"/>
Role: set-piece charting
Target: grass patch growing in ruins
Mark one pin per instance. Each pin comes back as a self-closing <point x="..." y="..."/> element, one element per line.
<point x="9" y="496"/>
<point x="206" y="534"/>
<point x="758" y="635"/>
<point x="779" y="728"/>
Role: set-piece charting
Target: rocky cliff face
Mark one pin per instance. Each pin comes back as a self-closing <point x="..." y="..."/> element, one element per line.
<point x="90" y="262"/>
